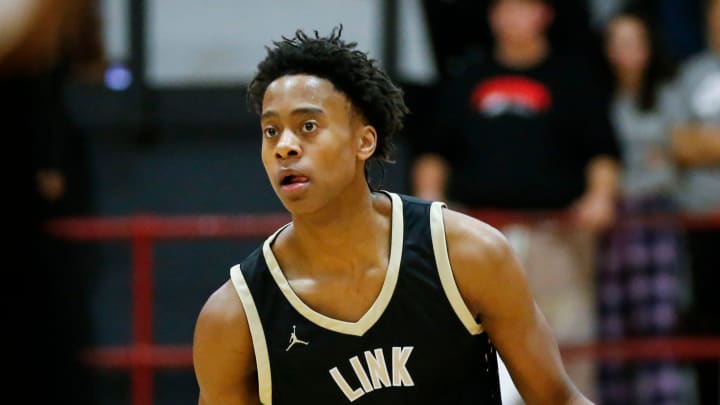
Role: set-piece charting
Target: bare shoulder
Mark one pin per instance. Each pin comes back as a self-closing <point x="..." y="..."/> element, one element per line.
<point x="223" y="312"/>
<point x="223" y="354"/>
<point x="474" y="242"/>
<point x="482" y="260"/>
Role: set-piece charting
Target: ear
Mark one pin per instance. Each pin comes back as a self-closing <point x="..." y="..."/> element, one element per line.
<point x="367" y="142"/>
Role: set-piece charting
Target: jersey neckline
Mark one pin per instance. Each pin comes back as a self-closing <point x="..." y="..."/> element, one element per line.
<point x="381" y="302"/>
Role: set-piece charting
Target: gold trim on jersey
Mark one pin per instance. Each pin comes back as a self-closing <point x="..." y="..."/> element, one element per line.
<point x="381" y="302"/>
<point x="262" y="358"/>
<point x="442" y="260"/>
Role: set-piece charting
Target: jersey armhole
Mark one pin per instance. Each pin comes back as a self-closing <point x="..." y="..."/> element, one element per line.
<point x="447" y="279"/>
<point x="262" y="358"/>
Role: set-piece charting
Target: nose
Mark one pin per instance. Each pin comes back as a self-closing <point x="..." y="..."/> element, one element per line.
<point x="288" y="145"/>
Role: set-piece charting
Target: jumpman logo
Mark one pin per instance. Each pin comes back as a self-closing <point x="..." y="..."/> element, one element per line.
<point x="294" y="339"/>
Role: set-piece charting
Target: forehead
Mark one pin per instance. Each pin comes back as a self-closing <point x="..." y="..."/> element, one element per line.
<point x="626" y="25"/>
<point x="526" y="2"/>
<point x="303" y="89"/>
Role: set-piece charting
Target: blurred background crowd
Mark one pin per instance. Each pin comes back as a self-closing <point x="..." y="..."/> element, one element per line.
<point x="589" y="129"/>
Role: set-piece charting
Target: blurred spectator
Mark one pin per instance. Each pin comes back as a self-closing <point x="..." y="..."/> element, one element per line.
<point x="43" y="43"/>
<point x="679" y="21"/>
<point x="640" y="262"/>
<point x="696" y="144"/>
<point x="460" y="33"/>
<point x="527" y="129"/>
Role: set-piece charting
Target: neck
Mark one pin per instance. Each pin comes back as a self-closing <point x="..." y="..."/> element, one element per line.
<point x="629" y="83"/>
<point x="522" y="54"/>
<point x="351" y="233"/>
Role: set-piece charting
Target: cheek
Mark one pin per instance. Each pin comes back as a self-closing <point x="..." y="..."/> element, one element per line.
<point x="337" y="159"/>
<point x="635" y="58"/>
<point x="266" y="155"/>
<point x="641" y="58"/>
<point x="628" y="56"/>
<point x="614" y="55"/>
<point x="337" y="162"/>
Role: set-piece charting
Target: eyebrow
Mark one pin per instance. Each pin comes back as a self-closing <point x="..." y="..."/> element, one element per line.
<point x="297" y="111"/>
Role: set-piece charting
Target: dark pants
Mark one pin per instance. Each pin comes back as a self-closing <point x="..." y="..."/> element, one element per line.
<point x="639" y="285"/>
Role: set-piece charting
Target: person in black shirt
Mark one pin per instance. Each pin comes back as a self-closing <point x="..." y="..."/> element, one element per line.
<point x="531" y="115"/>
<point x="526" y="128"/>
<point x="366" y="296"/>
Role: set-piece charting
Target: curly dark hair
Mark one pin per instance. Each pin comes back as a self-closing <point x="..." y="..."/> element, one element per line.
<point x="351" y="71"/>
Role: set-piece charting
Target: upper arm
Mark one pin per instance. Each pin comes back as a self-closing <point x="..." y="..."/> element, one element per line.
<point x="223" y="355"/>
<point x="494" y="288"/>
<point x="697" y="144"/>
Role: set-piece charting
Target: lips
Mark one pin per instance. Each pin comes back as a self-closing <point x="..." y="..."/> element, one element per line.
<point x="292" y="181"/>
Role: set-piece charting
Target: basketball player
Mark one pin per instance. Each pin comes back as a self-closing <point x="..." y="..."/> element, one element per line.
<point x="366" y="297"/>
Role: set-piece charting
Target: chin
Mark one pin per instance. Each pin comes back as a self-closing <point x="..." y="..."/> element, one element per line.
<point x="299" y="205"/>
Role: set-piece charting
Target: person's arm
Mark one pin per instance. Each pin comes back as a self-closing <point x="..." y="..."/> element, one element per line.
<point x="595" y="210"/>
<point x="429" y="177"/>
<point x="697" y="144"/>
<point x="590" y="130"/>
<point x="436" y="144"/>
<point x="223" y="355"/>
<point x="494" y="288"/>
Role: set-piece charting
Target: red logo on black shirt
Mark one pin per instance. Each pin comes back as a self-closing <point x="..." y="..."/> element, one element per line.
<point x="510" y="94"/>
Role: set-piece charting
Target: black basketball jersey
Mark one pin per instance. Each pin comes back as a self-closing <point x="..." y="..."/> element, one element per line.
<point x="417" y="344"/>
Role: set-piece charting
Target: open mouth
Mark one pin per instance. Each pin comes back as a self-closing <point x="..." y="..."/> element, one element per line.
<point x="293" y="179"/>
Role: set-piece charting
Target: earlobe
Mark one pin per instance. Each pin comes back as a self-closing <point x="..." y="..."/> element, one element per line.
<point x="367" y="142"/>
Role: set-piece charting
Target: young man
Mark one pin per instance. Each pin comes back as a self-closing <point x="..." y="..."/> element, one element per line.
<point x="366" y="297"/>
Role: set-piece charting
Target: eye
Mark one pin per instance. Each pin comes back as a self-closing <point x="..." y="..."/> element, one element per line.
<point x="309" y="126"/>
<point x="270" y="132"/>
